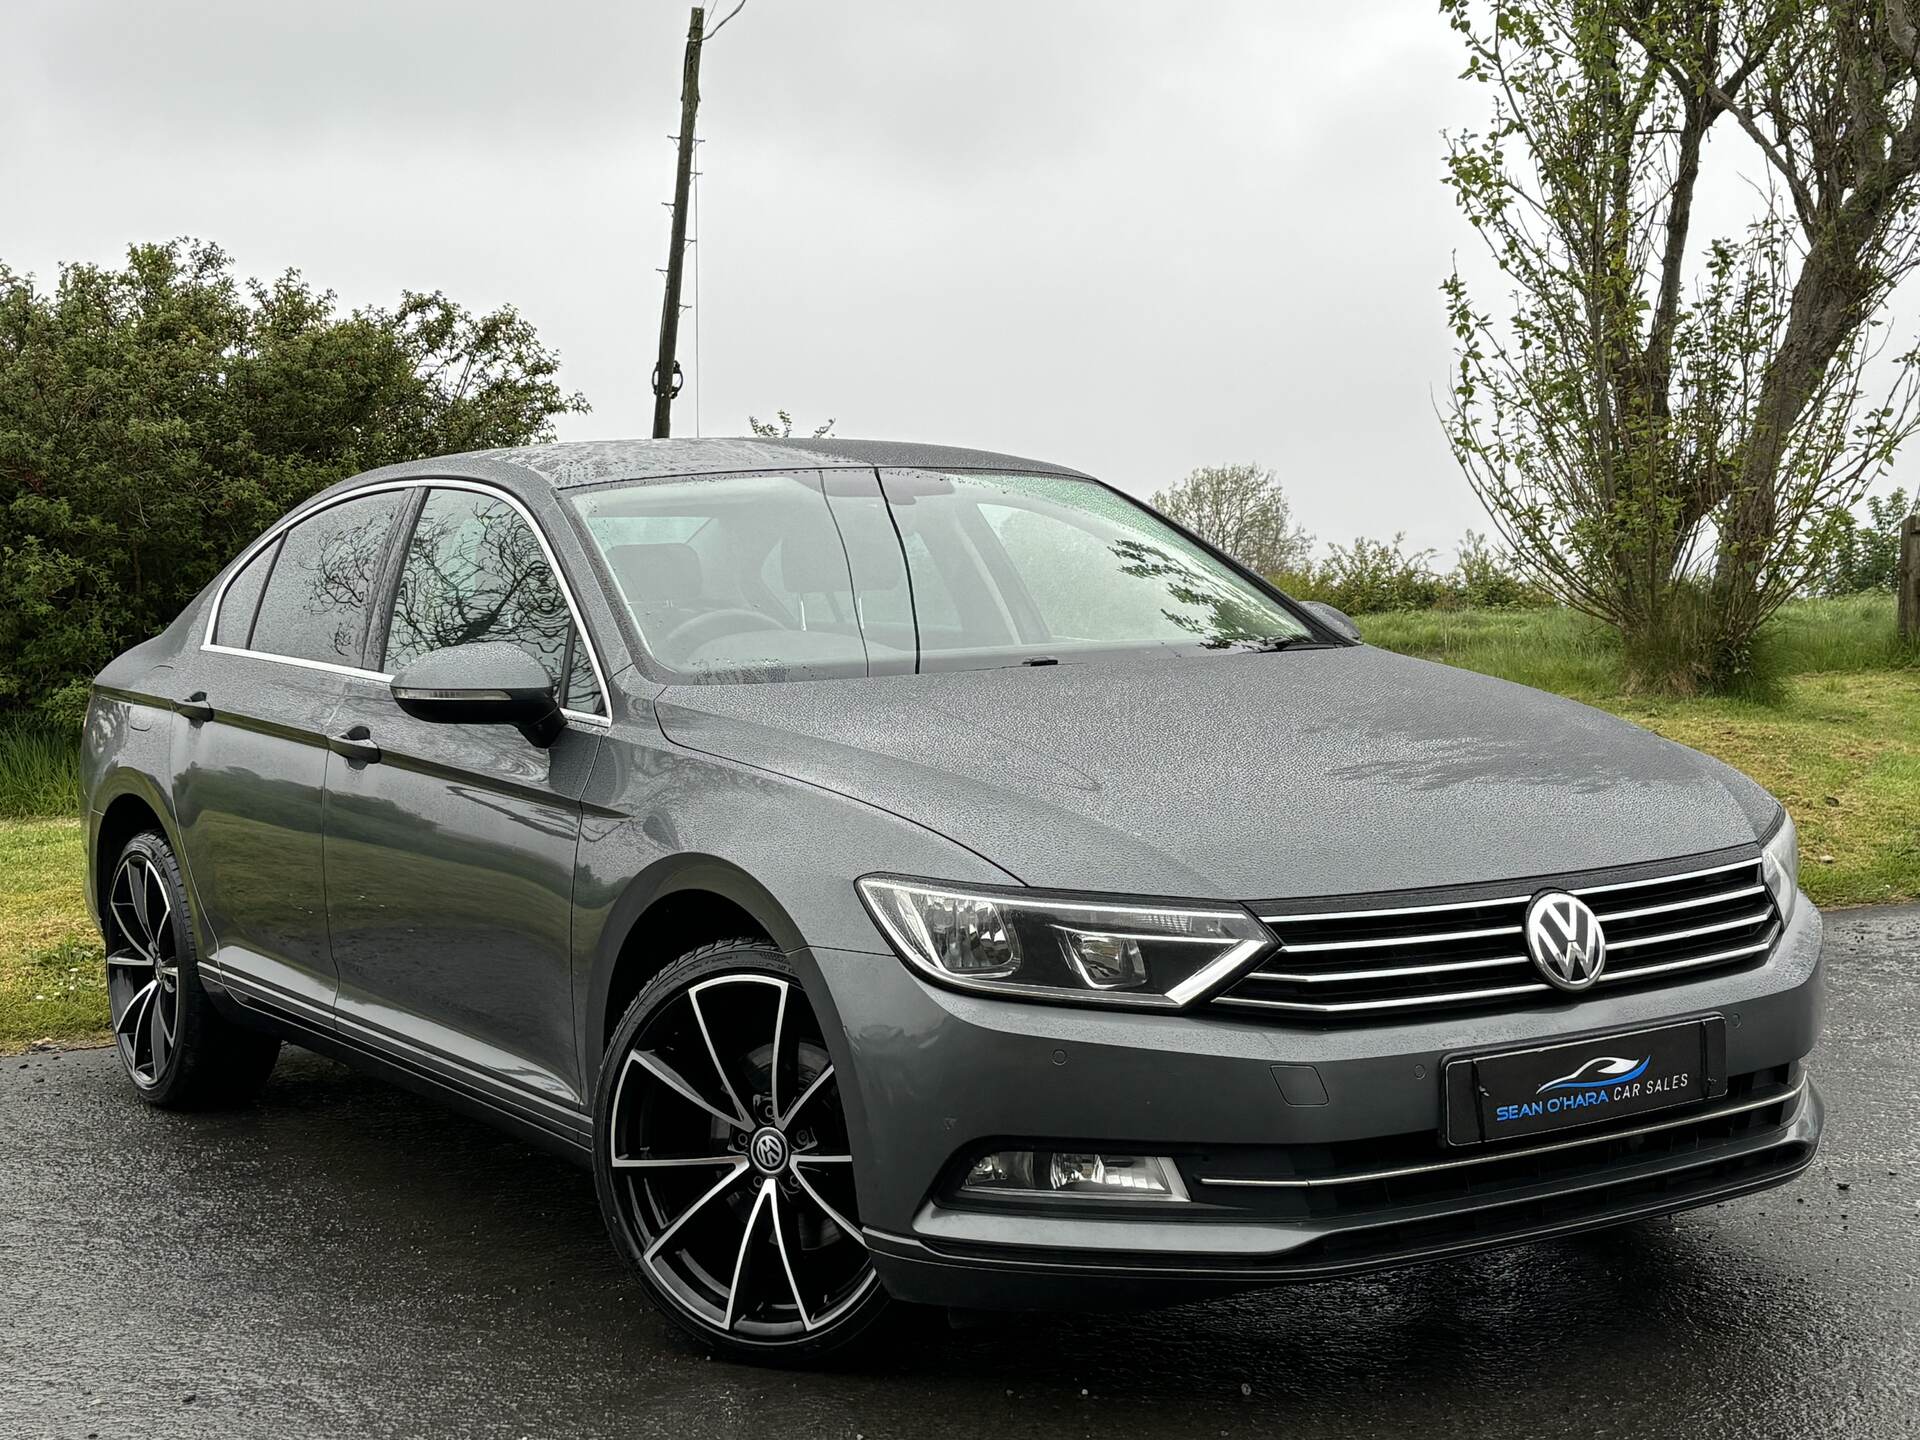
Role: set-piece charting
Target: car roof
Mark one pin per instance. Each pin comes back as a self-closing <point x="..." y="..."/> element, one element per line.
<point x="591" y="462"/>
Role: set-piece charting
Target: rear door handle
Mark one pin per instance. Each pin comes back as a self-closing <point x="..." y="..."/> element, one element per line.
<point x="195" y="707"/>
<point x="355" y="746"/>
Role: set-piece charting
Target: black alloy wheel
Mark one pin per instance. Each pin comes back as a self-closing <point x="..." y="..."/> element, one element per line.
<point x="724" y="1165"/>
<point x="178" y="1050"/>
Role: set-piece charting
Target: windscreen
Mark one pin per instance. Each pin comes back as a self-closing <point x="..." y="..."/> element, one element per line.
<point x="775" y="577"/>
<point x="1010" y="568"/>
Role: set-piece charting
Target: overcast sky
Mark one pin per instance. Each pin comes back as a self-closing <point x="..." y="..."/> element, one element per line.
<point x="1133" y="238"/>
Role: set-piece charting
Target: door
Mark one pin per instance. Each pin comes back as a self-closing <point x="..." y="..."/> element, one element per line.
<point x="249" y="754"/>
<point x="450" y="853"/>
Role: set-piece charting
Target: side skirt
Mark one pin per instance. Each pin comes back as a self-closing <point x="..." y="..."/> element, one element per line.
<point x="566" y="1135"/>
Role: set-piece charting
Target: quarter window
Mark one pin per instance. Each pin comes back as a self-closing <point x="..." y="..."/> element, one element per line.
<point x="320" y="591"/>
<point x="475" y="571"/>
<point x="242" y="599"/>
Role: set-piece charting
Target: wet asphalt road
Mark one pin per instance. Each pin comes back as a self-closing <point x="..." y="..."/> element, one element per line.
<point x="349" y="1260"/>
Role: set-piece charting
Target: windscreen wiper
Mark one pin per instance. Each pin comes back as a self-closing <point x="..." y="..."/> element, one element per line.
<point x="1286" y="642"/>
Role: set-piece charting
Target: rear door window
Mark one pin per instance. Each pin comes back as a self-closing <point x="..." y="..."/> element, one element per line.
<point x="320" y="592"/>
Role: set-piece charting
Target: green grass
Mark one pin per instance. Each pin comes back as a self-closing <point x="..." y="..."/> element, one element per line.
<point x="39" y="770"/>
<point x="1565" y="652"/>
<point x="1840" y="746"/>
<point x="52" y="983"/>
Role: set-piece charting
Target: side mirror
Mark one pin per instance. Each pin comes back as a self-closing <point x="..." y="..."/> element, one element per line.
<point x="1335" y="620"/>
<point x="492" y="683"/>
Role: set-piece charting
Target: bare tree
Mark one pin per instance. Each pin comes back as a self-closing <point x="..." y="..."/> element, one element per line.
<point x="1666" y="430"/>
<point x="781" y="426"/>
<point x="1243" y="510"/>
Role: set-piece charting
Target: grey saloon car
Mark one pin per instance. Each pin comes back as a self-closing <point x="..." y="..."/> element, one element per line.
<point x="912" y="874"/>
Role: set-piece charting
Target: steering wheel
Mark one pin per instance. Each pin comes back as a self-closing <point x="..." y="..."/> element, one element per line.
<point x="689" y="635"/>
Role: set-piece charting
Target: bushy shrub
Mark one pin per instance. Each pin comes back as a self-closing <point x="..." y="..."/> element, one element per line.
<point x="1376" y="576"/>
<point x="1863" y="558"/>
<point x="155" y="418"/>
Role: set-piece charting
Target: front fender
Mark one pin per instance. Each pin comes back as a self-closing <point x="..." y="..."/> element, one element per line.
<point x="661" y="821"/>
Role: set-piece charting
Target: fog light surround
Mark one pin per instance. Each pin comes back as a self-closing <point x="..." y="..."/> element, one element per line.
<point x="1074" y="1175"/>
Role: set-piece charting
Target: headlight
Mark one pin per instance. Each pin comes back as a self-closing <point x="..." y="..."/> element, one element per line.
<point x="1780" y="863"/>
<point x="1093" y="951"/>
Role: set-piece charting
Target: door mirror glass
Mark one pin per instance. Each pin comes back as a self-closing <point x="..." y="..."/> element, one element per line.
<point x="490" y="683"/>
<point x="1336" y="620"/>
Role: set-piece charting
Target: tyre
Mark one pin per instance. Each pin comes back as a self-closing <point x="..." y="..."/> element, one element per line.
<point x="178" y="1050"/>
<point x="723" y="1163"/>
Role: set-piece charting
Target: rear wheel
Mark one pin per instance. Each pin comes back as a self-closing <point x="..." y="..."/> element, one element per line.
<point x="723" y="1159"/>
<point x="178" y="1050"/>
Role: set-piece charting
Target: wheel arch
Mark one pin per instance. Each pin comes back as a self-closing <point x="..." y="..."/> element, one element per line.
<point x="681" y="903"/>
<point x="127" y="803"/>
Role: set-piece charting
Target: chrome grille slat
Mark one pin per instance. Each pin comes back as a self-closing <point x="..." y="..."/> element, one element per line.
<point x="1743" y="893"/>
<point x="1399" y="1003"/>
<point x="1351" y="964"/>
<point x="1442" y="938"/>
<point x="1325" y="977"/>
<point x="1674" y="937"/>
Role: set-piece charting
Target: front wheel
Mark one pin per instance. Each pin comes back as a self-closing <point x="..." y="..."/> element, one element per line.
<point x="723" y="1162"/>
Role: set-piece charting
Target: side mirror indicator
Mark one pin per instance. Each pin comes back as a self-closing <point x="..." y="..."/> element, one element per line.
<point x="491" y="683"/>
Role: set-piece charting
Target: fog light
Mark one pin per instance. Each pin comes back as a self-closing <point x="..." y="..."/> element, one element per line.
<point x="1006" y="1170"/>
<point x="1075" y="1173"/>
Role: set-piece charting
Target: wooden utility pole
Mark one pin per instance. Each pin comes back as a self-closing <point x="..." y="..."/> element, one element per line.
<point x="666" y="371"/>
<point x="1907" y="583"/>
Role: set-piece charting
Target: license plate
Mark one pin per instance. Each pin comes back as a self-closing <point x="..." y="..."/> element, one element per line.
<point x="1584" y="1082"/>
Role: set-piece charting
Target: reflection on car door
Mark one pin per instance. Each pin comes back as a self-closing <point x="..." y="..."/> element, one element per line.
<point x="450" y="857"/>
<point x="249" y="754"/>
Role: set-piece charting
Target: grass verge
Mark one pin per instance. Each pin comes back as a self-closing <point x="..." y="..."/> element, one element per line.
<point x="53" y="985"/>
<point x="39" y="770"/>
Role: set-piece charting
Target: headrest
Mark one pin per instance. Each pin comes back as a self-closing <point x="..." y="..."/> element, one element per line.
<point x="664" y="574"/>
<point x="812" y="568"/>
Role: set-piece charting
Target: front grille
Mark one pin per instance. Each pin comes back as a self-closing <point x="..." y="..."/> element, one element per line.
<point x="1343" y="965"/>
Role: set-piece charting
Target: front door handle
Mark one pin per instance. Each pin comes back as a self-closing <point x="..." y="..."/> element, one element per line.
<point x="355" y="746"/>
<point x="195" y="708"/>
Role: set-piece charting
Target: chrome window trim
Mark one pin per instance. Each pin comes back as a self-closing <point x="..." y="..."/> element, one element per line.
<point x="1786" y="1098"/>
<point x="287" y="522"/>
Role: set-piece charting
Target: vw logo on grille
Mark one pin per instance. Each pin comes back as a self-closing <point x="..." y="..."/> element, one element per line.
<point x="768" y="1150"/>
<point x="1565" y="940"/>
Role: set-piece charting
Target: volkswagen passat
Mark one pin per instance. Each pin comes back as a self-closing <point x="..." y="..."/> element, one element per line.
<point x="914" y="874"/>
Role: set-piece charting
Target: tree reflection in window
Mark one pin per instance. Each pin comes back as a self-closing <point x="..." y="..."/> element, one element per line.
<point x="475" y="571"/>
<point x="318" y="594"/>
<point x="1217" y="615"/>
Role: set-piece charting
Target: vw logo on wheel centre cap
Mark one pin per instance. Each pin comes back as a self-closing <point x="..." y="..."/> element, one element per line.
<point x="1565" y="940"/>
<point x="768" y="1150"/>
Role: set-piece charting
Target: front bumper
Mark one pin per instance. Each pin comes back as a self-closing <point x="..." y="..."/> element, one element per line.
<point x="938" y="1076"/>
